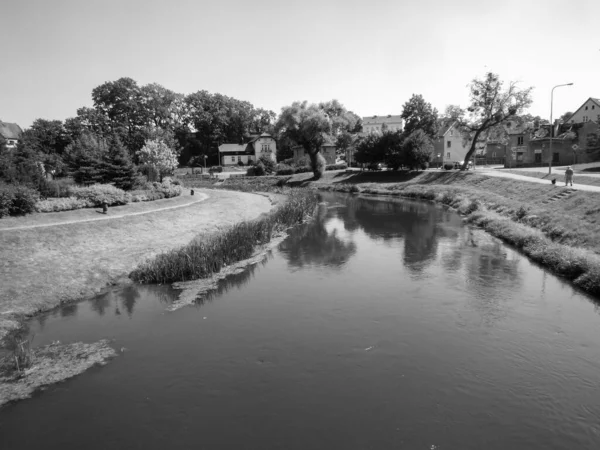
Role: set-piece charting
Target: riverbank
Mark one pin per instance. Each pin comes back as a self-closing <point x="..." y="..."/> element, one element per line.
<point x="557" y="227"/>
<point x="73" y="258"/>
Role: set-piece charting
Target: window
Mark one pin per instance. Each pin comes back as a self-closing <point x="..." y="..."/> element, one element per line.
<point x="451" y="132"/>
<point x="239" y="158"/>
<point x="448" y="155"/>
<point x="593" y="106"/>
<point x="520" y="140"/>
<point x="586" y="118"/>
<point x="519" y="156"/>
<point x="233" y="159"/>
<point x="448" y="144"/>
<point x="586" y="108"/>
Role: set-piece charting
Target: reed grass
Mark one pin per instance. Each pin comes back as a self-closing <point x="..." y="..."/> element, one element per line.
<point x="207" y="255"/>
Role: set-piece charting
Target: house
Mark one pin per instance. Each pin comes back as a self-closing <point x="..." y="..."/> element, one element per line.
<point x="258" y="146"/>
<point x="327" y="150"/>
<point x="11" y="132"/>
<point x="449" y="146"/>
<point x="588" y="112"/>
<point x="378" y="124"/>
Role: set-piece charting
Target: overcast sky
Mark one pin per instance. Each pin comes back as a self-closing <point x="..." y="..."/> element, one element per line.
<point x="371" y="55"/>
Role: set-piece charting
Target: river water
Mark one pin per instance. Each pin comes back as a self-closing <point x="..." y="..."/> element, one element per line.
<point x="384" y="324"/>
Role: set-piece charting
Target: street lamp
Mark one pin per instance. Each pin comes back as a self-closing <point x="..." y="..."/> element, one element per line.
<point x="552" y="124"/>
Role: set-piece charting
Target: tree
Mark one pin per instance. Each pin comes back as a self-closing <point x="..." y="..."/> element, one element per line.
<point x="310" y="126"/>
<point x="491" y="106"/>
<point x="565" y="117"/>
<point x="49" y="139"/>
<point x="158" y="155"/>
<point x="117" y="166"/>
<point x="419" y="115"/>
<point x="86" y="156"/>
<point x="417" y="148"/>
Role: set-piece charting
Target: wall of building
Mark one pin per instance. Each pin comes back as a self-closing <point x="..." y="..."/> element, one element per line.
<point x="455" y="152"/>
<point x="265" y="147"/>
<point x="590" y="111"/>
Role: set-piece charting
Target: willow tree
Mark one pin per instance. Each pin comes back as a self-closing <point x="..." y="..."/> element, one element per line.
<point x="491" y="106"/>
<point x="311" y="126"/>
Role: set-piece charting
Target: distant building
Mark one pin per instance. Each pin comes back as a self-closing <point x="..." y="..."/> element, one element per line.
<point x="258" y="146"/>
<point x="11" y="132"/>
<point x="376" y="124"/>
<point x="588" y="112"/>
<point x="449" y="146"/>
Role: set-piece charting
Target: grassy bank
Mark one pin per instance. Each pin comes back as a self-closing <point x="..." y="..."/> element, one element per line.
<point x="208" y="254"/>
<point x="578" y="178"/>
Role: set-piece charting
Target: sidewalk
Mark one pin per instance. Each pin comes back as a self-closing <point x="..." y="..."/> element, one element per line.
<point x="501" y="174"/>
<point x="39" y="220"/>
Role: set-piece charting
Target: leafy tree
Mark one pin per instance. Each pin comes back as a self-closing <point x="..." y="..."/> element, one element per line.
<point x="491" y="106"/>
<point x="157" y="154"/>
<point x="393" y="150"/>
<point x="369" y="149"/>
<point x="417" y="148"/>
<point x="310" y="126"/>
<point x="565" y="117"/>
<point x="49" y="139"/>
<point x="419" y="115"/>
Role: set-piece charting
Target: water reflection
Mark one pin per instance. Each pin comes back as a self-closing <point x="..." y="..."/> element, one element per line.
<point x="318" y="243"/>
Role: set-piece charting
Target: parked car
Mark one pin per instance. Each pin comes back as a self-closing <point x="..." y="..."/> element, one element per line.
<point x="457" y="165"/>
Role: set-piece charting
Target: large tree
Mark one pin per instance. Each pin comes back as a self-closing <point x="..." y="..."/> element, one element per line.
<point x="312" y="125"/>
<point x="419" y="115"/>
<point x="491" y="106"/>
<point x="417" y="148"/>
<point x="157" y="154"/>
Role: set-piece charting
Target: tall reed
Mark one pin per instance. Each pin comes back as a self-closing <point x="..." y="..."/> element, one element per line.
<point x="205" y="256"/>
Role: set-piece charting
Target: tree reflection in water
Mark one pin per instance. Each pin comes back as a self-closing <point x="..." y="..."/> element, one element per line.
<point x="314" y="245"/>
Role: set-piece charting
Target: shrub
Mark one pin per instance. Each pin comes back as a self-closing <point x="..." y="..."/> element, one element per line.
<point x="318" y="166"/>
<point x="97" y="194"/>
<point x="215" y="169"/>
<point x="302" y="169"/>
<point x="284" y="169"/>
<point x="251" y="172"/>
<point x="17" y="200"/>
<point x="259" y="169"/>
<point x="268" y="164"/>
<point x="61" y="204"/>
<point x="57" y="188"/>
<point x="240" y="163"/>
<point x="342" y="166"/>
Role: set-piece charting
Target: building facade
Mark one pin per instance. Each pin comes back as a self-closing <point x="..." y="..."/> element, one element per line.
<point x="259" y="146"/>
<point x="379" y="124"/>
<point x="11" y="132"/>
<point x="449" y="146"/>
<point x="588" y="112"/>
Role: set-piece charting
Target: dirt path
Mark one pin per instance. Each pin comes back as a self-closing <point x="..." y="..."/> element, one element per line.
<point x="42" y="266"/>
<point x="501" y="174"/>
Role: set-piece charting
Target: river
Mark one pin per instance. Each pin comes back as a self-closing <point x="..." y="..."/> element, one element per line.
<point x="383" y="324"/>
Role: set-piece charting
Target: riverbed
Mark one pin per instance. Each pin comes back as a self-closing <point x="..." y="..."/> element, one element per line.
<point x="382" y="324"/>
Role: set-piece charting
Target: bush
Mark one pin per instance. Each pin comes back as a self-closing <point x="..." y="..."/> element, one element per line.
<point x="240" y="163"/>
<point x="259" y="169"/>
<point x="318" y="166"/>
<point x="302" y="169"/>
<point x="251" y="172"/>
<point x="217" y="169"/>
<point x="57" y="188"/>
<point x="342" y="166"/>
<point x="98" y="194"/>
<point x="61" y="204"/>
<point x="17" y="200"/>
<point x="283" y="169"/>
<point x="268" y="164"/>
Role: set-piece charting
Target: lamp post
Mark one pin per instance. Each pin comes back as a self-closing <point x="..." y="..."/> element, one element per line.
<point x="552" y="124"/>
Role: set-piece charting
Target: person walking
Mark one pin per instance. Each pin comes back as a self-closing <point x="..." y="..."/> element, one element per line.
<point x="569" y="176"/>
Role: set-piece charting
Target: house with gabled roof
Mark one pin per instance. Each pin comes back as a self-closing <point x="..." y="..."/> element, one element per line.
<point x="449" y="145"/>
<point x="258" y="146"/>
<point x="11" y="132"/>
<point x="588" y="112"/>
<point x="378" y="124"/>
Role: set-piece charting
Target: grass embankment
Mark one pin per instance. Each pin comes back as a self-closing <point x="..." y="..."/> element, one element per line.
<point x="556" y="227"/>
<point x="208" y="254"/>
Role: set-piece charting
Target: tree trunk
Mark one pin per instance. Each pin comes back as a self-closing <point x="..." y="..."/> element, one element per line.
<point x="471" y="150"/>
<point x="317" y="163"/>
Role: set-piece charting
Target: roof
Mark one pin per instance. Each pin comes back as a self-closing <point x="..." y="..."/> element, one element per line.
<point x="10" y="130"/>
<point x="381" y="119"/>
<point x="224" y="148"/>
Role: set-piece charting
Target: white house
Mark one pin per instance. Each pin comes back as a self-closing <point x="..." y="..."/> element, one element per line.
<point x="375" y="124"/>
<point x="11" y="132"/>
<point x="588" y="112"/>
<point x="259" y="146"/>
<point x="449" y="146"/>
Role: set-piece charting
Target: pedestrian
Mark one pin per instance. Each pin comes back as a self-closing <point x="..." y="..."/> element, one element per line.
<point x="569" y="176"/>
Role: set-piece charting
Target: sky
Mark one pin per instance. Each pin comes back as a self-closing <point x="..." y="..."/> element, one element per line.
<point x="371" y="55"/>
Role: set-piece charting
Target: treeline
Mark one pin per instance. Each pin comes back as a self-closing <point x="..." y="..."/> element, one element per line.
<point x="131" y="127"/>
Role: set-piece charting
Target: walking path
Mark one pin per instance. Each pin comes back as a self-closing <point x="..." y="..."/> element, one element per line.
<point x="115" y="212"/>
<point x="501" y="174"/>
